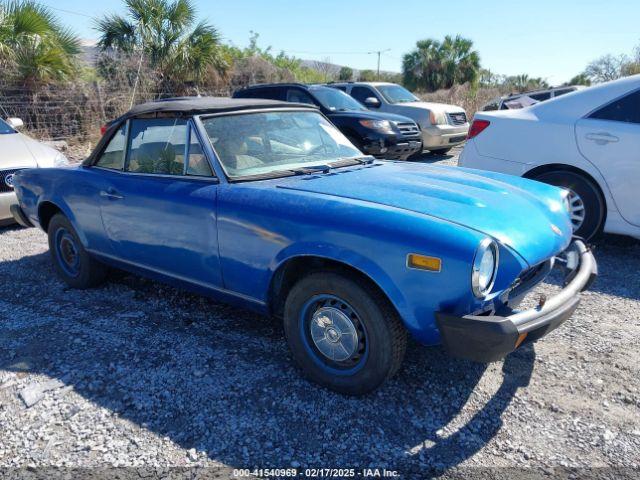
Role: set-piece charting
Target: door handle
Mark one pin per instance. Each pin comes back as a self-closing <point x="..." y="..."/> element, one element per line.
<point x="111" y="194"/>
<point x="602" y="138"/>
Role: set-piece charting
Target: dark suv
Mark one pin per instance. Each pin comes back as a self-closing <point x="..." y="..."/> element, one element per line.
<point x="382" y="135"/>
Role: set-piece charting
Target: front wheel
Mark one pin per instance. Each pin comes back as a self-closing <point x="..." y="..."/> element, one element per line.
<point x="72" y="262"/>
<point x="587" y="208"/>
<point x="343" y="334"/>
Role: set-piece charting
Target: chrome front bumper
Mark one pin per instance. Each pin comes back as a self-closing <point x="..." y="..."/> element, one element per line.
<point x="490" y="338"/>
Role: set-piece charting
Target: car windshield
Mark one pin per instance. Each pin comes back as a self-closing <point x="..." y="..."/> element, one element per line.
<point x="396" y="94"/>
<point x="335" y="100"/>
<point x="5" y="128"/>
<point x="265" y="144"/>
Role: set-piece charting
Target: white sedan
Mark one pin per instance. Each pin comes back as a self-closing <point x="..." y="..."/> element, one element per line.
<point x="587" y="142"/>
<point x="18" y="151"/>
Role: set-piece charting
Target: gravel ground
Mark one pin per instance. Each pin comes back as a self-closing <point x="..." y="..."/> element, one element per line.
<point x="138" y="374"/>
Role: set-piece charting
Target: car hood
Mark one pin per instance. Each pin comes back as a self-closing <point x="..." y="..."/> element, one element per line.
<point x="19" y="151"/>
<point x="524" y="215"/>
<point x="368" y="115"/>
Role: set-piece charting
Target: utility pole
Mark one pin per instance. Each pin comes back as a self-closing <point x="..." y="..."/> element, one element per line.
<point x="378" y="52"/>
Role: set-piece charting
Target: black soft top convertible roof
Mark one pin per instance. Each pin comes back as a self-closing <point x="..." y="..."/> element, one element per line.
<point x="197" y="105"/>
<point x="194" y="106"/>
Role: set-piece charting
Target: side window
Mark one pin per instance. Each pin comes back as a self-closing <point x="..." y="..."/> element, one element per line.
<point x="626" y="109"/>
<point x="362" y="93"/>
<point x="557" y="93"/>
<point x="340" y="87"/>
<point x="298" y="96"/>
<point x="541" y="97"/>
<point x="157" y="146"/>
<point x="197" y="164"/>
<point x="113" y="155"/>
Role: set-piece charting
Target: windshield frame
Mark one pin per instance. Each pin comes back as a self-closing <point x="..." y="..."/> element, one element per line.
<point x="219" y="166"/>
<point x="395" y="85"/>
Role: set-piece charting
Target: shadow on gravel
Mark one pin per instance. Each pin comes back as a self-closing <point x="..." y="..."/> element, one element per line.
<point x="428" y="157"/>
<point x="220" y="380"/>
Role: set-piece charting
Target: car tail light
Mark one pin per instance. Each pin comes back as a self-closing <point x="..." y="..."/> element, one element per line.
<point x="477" y="127"/>
<point x="103" y="129"/>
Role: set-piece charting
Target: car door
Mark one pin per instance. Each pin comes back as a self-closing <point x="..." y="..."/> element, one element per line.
<point x="610" y="138"/>
<point x="160" y="212"/>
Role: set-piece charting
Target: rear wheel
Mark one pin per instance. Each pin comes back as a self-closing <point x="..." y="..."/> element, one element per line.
<point x="343" y="335"/>
<point x="72" y="262"/>
<point x="587" y="206"/>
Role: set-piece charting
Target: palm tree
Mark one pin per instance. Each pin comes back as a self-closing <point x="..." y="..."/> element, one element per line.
<point x="34" y="46"/>
<point x="435" y="64"/>
<point x="163" y="33"/>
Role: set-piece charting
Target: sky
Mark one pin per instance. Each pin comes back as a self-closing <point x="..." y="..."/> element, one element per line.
<point x="550" y="39"/>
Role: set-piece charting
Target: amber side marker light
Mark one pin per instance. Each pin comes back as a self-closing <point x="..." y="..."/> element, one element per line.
<point x="423" y="262"/>
<point x="520" y="339"/>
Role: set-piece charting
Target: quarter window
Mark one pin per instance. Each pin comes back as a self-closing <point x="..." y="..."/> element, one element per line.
<point x="626" y="109"/>
<point x="113" y="155"/>
<point x="157" y="146"/>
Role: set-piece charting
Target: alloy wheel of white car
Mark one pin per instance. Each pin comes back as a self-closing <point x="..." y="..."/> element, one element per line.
<point x="577" y="210"/>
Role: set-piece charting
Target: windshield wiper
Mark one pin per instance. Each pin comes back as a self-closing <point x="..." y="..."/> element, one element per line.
<point x="311" y="169"/>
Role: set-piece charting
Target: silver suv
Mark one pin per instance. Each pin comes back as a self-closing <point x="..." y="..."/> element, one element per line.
<point x="442" y="126"/>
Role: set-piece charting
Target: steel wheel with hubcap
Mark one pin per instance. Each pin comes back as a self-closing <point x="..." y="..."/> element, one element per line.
<point x="72" y="262"/>
<point x="343" y="333"/>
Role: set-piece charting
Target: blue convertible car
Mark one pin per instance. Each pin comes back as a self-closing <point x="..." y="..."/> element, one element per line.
<point x="267" y="205"/>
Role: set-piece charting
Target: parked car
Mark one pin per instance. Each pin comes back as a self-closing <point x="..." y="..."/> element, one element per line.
<point x="442" y="126"/>
<point x="18" y="151"/>
<point x="267" y="205"/>
<point x="382" y="135"/>
<point x="526" y="99"/>
<point x="586" y="141"/>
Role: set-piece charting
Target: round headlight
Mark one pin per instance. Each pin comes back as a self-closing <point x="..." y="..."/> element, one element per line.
<point x="485" y="266"/>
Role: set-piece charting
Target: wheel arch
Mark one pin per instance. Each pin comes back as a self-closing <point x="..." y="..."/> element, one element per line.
<point x="46" y="211"/>
<point x="48" y="208"/>
<point x="558" y="167"/>
<point x="297" y="267"/>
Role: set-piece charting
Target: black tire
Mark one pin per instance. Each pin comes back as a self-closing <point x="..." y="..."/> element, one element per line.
<point x="594" y="204"/>
<point x="71" y="261"/>
<point x="381" y="337"/>
<point x="440" y="151"/>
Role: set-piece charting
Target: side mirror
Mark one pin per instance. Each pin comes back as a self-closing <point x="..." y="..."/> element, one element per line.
<point x="14" y="122"/>
<point x="372" y="102"/>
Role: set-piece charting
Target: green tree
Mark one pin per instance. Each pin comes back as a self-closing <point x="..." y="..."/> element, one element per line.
<point x="35" y="45"/>
<point x="438" y="64"/>
<point x="367" y="76"/>
<point x="345" y="74"/>
<point x="580" y="79"/>
<point x="166" y="35"/>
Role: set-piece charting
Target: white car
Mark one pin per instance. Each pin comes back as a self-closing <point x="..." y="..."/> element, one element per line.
<point x="521" y="100"/>
<point x="586" y="141"/>
<point x="18" y="151"/>
<point x="442" y="126"/>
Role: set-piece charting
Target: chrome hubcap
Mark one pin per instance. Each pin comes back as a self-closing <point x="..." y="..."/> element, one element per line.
<point x="334" y="334"/>
<point x="576" y="210"/>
